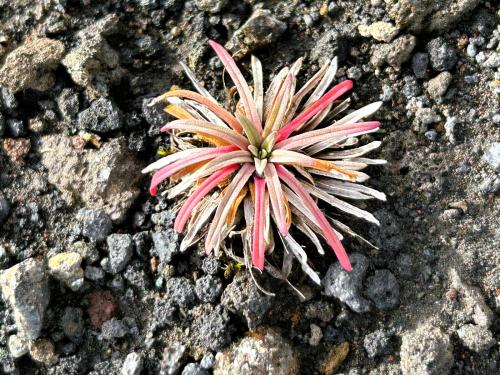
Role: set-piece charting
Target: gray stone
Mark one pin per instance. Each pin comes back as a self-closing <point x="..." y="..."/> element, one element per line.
<point x="211" y="6"/>
<point x="426" y="351"/>
<point x="16" y="127"/>
<point x="120" y="248"/>
<point x="493" y="61"/>
<point x="267" y="354"/>
<point x="442" y="55"/>
<point x="316" y="335"/>
<point x="429" y="15"/>
<point x="423" y="118"/>
<point x="102" y="116"/>
<point x="4" y="209"/>
<point x="93" y="64"/>
<point x="68" y="103"/>
<point x="395" y="53"/>
<point x="114" y="329"/>
<point x="8" y="102"/>
<point x="419" y="64"/>
<point x="94" y="273"/>
<point x="438" y="86"/>
<point x="65" y="267"/>
<point x="17" y="346"/>
<point x="321" y="310"/>
<point x="208" y="288"/>
<point x="180" y="290"/>
<point x="7" y="363"/>
<point x="72" y="324"/>
<point x="411" y="87"/>
<point x="492" y="156"/>
<point x="242" y="297"/>
<point x="376" y="343"/>
<point x="380" y="30"/>
<point x="43" y="351"/>
<point x="154" y="115"/>
<point x="472" y="301"/>
<point x="96" y="224"/>
<point x="387" y="93"/>
<point x="208" y="361"/>
<point x="172" y="360"/>
<point x="260" y="30"/>
<point x="212" y="330"/>
<point x="194" y="369"/>
<point x="476" y="338"/>
<point x="165" y="245"/>
<point x="210" y="265"/>
<point x="354" y="73"/>
<point x="25" y="286"/>
<point x="103" y="179"/>
<point x="383" y="289"/>
<point x="347" y="286"/>
<point x="31" y="65"/>
<point x="132" y="364"/>
<point x="326" y="47"/>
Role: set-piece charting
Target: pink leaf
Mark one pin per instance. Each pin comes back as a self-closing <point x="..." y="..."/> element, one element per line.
<point x="199" y="194"/>
<point x="314" y="108"/>
<point x="240" y="83"/>
<point x="259" y="224"/>
<point x="325" y="226"/>
<point x="173" y="168"/>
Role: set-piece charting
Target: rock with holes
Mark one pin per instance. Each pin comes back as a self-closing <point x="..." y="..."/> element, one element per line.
<point x="266" y="352"/>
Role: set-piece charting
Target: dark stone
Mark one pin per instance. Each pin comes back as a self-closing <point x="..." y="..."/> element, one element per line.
<point x="442" y="55"/>
<point x="102" y="116"/>
<point x="210" y="265"/>
<point x="120" y="248"/>
<point x="165" y="245"/>
<point x="383" y="289"/>
<point x="346" y="286"/>
<point x="419" y="64"/>
<point x="68" y="103"/>
<point x="180" y="291"/>
<point x="4" y="209"/>
<point x="114" y="329"/>
<point x="96" y="224"/>
<point x="16" y="127"/>
<point x="208" y="288"/>
<point x="154" y="115"/>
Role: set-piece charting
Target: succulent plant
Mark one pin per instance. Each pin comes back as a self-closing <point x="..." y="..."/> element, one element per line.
<point x="260" y="168"/>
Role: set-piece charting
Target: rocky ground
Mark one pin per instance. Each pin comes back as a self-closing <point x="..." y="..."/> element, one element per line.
<point x="93" y="278"/>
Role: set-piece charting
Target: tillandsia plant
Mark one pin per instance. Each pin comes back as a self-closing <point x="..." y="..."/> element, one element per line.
<point x="266" y="163"/>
